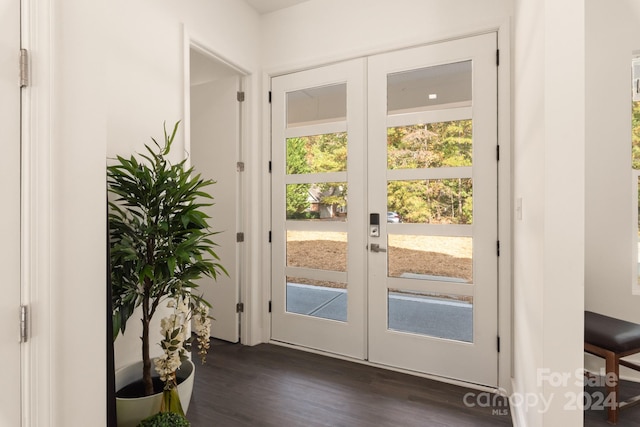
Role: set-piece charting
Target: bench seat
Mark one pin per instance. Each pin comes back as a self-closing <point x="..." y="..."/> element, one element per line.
<point x="612" y="339"/>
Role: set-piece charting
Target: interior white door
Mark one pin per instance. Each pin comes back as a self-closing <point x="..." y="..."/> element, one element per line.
<point x="10" y="404"/>
<point x="432" y="161"/>
<point x="318" y="261"/>
<point x="215" y="142"/>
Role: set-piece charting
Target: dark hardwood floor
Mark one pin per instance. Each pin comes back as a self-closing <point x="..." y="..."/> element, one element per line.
<point x="269" y="385"/>
<point x="597" y="416"/>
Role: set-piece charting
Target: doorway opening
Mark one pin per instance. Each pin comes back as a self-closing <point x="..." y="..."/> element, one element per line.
<point x="213" y="140"/>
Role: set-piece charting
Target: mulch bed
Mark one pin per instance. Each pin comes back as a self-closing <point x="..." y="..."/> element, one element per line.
<point x="332" y="255"/>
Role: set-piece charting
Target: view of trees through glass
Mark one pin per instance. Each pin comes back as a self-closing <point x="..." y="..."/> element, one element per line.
<point x="434" y="145"/>
<point x="316" y="154"/>
<point x="635" y="134"/>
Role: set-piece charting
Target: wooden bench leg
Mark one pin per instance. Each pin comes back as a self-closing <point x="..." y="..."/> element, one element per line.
<point x="612" y="385"/>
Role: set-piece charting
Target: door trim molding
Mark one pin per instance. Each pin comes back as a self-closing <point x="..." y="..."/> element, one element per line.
<point x="249" y="262"/>
<point x="36" y="213"/>
<point x="505" y="218"/>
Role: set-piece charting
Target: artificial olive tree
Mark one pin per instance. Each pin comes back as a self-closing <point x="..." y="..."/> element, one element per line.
<point x="160" y="240"/>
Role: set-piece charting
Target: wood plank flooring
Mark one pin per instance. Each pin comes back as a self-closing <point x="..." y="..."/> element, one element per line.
<point x="269" y="385"/>
<point x="596" y="417"/>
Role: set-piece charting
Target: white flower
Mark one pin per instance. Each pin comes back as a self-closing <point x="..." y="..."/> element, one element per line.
<point x="183" y="307"/>
<point x="174" y="332"/>
<point x="202" y="326"/>
<point x="173" y="329"/>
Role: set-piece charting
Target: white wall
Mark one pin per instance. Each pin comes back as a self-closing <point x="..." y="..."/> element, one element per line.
<point x="67" y="257"/>
<point x="613" y="34"/>
<point x="145" y="61"/>
<point x="549" y="150"/>
<point x="320" y="31"/>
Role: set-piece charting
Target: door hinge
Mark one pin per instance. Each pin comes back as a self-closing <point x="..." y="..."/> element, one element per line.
<point x="24" y="326"/>
<point x="240" y="166"/>
<point x="240" y="96"/>
<point x="269" y="166"/>
<point x="269" y="97"/>
<point x="497" y="57"/>
<point x="269" y="306"/>
<point x="240" y="307"/>
<point x="498" y="247"/>
<point x="240" y="237"/>
<point x="24" y="68"/>
<point x="269" y="236"/>
<point x="498" y="344"/>
<point x="497" y="152"/>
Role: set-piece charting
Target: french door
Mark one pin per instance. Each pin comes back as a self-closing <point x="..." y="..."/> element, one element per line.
<point x="318" y="261"/>
<point x="384" y="240"/>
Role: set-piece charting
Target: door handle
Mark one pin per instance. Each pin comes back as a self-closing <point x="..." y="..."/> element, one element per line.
<point x="376" y="248"/>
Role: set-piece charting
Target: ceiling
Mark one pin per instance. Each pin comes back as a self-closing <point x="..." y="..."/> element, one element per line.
<point x="267" y="6"/>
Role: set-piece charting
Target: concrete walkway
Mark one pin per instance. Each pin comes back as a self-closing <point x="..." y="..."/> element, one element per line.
<point x="407" y="313"/>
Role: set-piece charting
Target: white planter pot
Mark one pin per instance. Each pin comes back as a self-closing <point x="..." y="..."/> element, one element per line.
<point x="131" y="411"/>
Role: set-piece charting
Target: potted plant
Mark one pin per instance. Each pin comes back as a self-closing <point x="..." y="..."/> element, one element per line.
<point x="160" y="244"/>
<point x="165" y="419"/>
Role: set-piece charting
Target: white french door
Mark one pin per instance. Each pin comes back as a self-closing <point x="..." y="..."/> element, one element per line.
<point x="432" y="158"/>
<point x="10" y="405"/>
<point x="318" y="262"/>
<point x="384" y="241"/>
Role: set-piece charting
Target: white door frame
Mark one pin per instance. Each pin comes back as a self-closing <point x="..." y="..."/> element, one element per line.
<point x="505" y="276"/>
<point x="37" y="371"/>
<point x="244" y="221"/>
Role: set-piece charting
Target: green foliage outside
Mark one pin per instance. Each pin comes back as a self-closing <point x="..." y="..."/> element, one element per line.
<point x="635" y="134"/>
<point x="447" y="144"/>
<point x="165" y="419"/>
<point x="635" y="146"/>
<point x="315" y="154"/>
<point x="297" y="194"/>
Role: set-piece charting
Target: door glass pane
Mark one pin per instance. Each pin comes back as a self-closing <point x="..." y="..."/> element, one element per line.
<point x="441" y="258"/>
<point x="317" y="154"/>
<point x="638" y="230"/>
<point x="447" y="144"/>
<point x="438" y="87"/>
<point x="327" y="302"/>
<point x="435" y="315"/>
<point x="310" y="293"/>
<point x="317" y="105"/>
<point x="436" y="201"/>
<point x="326" y="201"/>
<point x="320" y="250"/>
